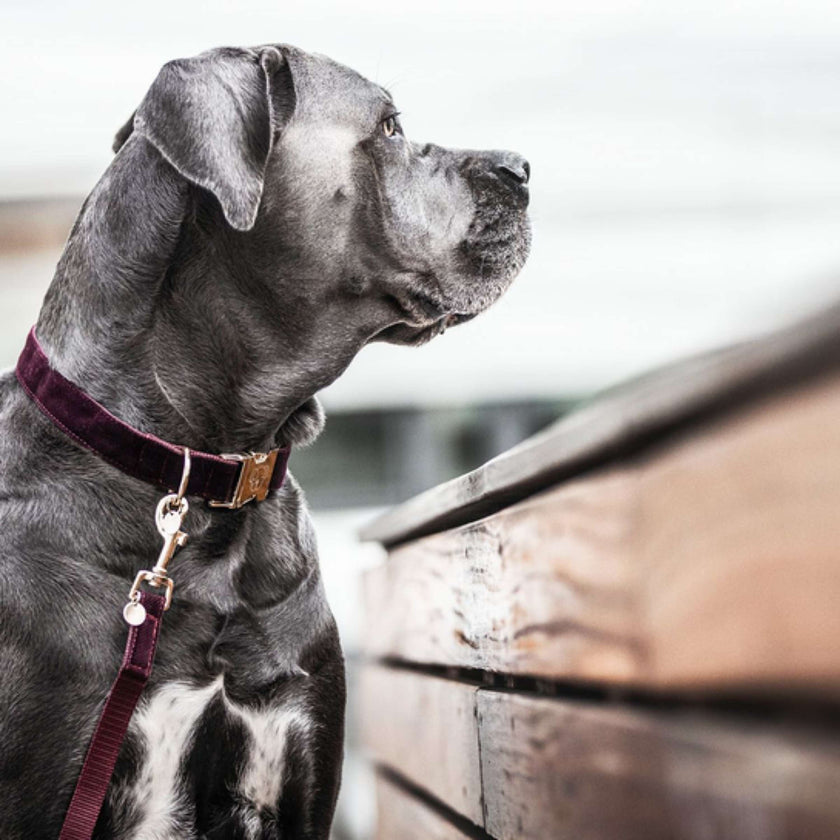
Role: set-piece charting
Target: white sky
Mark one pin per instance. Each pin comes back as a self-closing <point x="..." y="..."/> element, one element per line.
<point x="686" y="164"/>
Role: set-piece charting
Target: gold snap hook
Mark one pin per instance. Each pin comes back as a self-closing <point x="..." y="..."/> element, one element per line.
<point x="169" y="517"/>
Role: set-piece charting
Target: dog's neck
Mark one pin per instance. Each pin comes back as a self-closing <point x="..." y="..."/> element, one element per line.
<point x="160" y="319"/>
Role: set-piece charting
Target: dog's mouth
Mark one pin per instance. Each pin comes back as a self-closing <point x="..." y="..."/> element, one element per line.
<point x="434" y="296"/>
<point x="497" y="244"/>
<point x="413" y="335"/>
<point x="487" y="260"/>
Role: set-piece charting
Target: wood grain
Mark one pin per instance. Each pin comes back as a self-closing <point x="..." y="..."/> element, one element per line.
<point x="623" y="421"/>
<point x="572" y="772"/>
<point x="710" y="563"/>
<point x="401" y="816"/>
<point x="547" y="588"/>
<point x="575" y="771"/>
<point x="425" y="726"/>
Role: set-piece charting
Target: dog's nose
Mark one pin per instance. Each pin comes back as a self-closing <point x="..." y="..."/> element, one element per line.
<point x="514" y="169"/>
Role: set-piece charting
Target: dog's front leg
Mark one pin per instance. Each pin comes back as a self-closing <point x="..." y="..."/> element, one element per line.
<point x="284" y="746"/>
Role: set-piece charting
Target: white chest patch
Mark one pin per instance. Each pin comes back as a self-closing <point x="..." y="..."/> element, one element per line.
<point x="166" y="723"/>
<point x="263" y="775"/>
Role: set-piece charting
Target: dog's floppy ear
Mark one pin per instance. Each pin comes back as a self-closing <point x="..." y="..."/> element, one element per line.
<point x="213" y="118"/>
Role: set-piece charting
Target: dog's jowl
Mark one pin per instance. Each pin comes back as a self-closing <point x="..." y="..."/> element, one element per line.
<point x="263" y="219"/>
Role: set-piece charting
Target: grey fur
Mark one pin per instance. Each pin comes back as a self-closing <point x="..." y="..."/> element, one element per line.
<point x="255" y="230"/>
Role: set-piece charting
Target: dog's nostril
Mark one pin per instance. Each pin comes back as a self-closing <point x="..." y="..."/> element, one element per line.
<point x="517" y="172"/>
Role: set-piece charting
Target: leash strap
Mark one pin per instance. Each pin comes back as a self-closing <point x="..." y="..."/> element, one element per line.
<point x="105" y="746"/>
<point x="224" y="480"/>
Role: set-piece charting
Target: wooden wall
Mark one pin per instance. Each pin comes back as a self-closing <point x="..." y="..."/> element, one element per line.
<point x="648" y="649"/>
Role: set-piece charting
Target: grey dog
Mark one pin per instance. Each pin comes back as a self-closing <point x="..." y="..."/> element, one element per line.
<point x="263" y="219"/>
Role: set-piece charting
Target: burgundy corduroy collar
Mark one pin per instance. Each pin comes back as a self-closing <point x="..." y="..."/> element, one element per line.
<point x="225" y="481"/>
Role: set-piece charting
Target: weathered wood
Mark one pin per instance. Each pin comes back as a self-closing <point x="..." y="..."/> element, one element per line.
<point x="570" y="772"/>
<point x="401" y="816"/>
<point x="623" y="421"/>
<point x="426" y="727"/>
<point x="575" y="771"/>
<point x="711" y="562"/>
<point x="547" y="588"/>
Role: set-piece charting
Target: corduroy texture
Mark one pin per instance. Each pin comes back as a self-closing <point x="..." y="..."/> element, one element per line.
<point x="105" y="745"/>
<point x="141" y="455"/>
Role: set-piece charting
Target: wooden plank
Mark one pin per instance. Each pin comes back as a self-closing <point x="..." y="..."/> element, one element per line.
<point x="711" y="563"/>
<point x="568" y="771"/>
<point x="401" y="816"/>
<point x="739" y="537"/>
<point x="546" y="588"/>
<point x="623" y="421"/>
<point x="426" y="726"/>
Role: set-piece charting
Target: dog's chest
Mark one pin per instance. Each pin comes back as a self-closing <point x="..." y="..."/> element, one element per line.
<point x="177" y="734"/>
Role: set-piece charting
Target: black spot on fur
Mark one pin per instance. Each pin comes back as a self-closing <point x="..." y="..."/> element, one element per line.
<point x="214" y="764"/>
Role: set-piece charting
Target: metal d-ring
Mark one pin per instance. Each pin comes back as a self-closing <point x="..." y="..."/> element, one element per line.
<point x="185" y="476"/>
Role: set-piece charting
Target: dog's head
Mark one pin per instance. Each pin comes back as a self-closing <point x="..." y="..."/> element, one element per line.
<point x="308" y="162"/>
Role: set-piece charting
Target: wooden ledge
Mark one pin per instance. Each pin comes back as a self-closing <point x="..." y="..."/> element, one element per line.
<point x="709" y="563"/>
<point x="624" y="421"/>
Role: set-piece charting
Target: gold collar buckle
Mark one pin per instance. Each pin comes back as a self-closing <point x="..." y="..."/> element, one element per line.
<point x="254" y="478"/>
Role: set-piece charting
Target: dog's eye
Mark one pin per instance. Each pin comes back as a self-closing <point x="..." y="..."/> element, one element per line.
<point x="390" y="126"/>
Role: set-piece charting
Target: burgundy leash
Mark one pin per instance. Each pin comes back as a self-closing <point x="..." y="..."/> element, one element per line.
<point x="228" y="481"/>
<point x="143" y="613"/>
<point x="105" y="746"/>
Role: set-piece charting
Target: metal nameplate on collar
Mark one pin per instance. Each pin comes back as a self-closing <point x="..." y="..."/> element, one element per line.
<point x="254" y="478"/>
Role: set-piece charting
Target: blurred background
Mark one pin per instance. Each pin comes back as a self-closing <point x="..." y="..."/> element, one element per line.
<point x="685" y="193"/>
